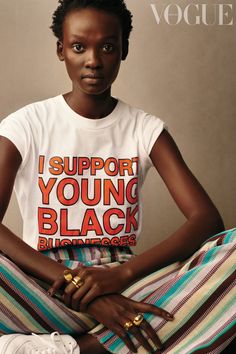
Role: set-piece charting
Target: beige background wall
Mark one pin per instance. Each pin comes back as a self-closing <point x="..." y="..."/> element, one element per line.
<point x="183" y="74"/>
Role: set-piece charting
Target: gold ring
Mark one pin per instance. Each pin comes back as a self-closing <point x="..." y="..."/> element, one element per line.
<point x="67" y="275"/>
<point x="77" y="281"/>
<point x="138" y="319"/>
<point x="128" y="325"/>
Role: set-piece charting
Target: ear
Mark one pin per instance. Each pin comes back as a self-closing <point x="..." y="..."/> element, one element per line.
<point x="60" y="51"/>
<point x="125" y="50"/>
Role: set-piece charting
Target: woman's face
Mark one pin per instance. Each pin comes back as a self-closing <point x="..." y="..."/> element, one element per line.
<point x="92" y="49"/>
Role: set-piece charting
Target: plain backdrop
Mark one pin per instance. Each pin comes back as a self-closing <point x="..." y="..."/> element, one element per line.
<point x="183" y="74"/>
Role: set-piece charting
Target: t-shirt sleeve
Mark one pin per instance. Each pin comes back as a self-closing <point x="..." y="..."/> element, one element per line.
<point x="151" y="130"/>
<point x="15" y="127"/>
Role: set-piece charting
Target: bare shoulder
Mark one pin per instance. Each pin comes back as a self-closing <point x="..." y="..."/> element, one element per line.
<point x="165" y="153"/>
<point x="10" y="160"/>
<point x="8" y="150"/>
<point x="185" y="189"/>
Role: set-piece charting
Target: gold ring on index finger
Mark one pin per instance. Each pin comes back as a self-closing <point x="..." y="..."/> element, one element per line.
<point x="138" y="319"/>
<point x="77" y="281"/>
<point x="67" y="275"/>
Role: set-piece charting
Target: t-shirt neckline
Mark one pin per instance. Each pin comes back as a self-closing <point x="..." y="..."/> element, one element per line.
<point x="90" y="123"/>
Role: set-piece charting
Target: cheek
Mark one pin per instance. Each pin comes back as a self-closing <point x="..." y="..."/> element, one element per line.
<point x="114" y="66"/>
<point x="115" y="70"/>
<point x="70" y="72"/>
<point x="72" y="66"/>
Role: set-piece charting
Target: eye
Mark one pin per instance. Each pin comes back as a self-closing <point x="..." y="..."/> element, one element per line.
<point x="108" y="47"/>
<point x="78" y="47"/>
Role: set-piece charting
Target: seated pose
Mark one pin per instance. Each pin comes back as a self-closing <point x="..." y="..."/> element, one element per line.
<point x="77" y="162"/>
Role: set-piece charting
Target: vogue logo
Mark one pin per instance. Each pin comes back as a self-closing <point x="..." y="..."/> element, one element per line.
<point x="194" y="14"/>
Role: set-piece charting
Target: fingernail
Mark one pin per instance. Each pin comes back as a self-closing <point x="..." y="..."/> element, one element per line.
<point x="170" y="316"/>
<point x="49" y="293"/>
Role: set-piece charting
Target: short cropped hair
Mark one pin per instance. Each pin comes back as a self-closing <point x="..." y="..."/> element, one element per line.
<point x="115" y="7"/>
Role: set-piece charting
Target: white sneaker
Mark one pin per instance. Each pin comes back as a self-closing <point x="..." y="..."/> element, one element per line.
<point x="38" y="344"/>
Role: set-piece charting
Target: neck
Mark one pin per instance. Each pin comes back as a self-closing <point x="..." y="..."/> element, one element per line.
<point x="91" y="106"/>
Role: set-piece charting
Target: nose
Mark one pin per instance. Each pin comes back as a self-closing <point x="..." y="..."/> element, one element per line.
<point x="93" y="60"/>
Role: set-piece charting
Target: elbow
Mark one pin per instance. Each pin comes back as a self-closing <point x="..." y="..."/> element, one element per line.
<point x="217" y="221"/>
<point x="212" y="221"/>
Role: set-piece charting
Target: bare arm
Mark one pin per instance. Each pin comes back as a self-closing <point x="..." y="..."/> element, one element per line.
<point x="203" y="219"/>
<point x="28" y="259"/>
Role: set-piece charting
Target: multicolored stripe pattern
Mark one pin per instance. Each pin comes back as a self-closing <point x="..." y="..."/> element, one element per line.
<point x="200" y="292"/>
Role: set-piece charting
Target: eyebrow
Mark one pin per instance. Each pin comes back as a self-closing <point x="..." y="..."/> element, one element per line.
<point x="76" y="36"/>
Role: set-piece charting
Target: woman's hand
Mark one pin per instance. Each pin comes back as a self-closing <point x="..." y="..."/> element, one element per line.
<point x="114" y="311"/>
<point x="93" y="282"/>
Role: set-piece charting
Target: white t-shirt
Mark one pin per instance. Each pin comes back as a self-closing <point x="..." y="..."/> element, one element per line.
<point x="80" y="178"/>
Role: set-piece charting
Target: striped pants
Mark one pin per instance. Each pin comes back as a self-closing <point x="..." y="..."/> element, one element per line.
<point x="200" y="292"/>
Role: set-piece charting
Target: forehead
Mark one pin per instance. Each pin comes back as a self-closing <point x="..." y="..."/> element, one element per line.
<point x="90" y="22"/>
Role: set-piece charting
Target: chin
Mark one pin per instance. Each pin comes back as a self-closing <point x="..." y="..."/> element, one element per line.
<point x="96" y="91"/>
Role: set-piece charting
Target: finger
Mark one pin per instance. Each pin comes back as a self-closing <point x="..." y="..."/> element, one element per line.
<point x="81" y="291"/>
<point x="67" y="300"/>
<point x="143" y="307"/>
<point x="75" y="271"/>
<point x="83" y="272"/>
<point x="136" y="332"/>
<point x="75" y="304"/>
<point x="76" y="299"/>
<point x="146" y="327"/>
<point x="120" y="332"/>
<point x="90" y="296"/>
<point x="61" y="280"/>
<point x="56" y="286"/>
<point x="68" y="293"/>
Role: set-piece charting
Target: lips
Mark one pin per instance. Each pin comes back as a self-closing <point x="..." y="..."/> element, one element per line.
<point x="92" y="76"/>
<point x="93" y="79"/>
